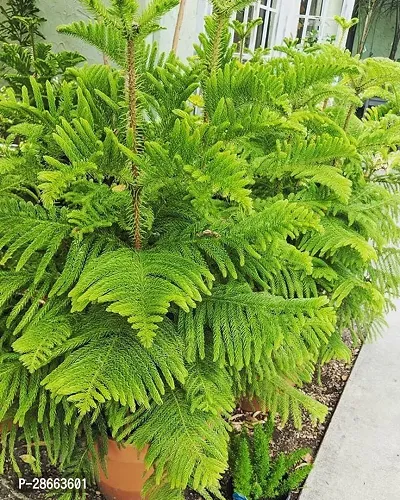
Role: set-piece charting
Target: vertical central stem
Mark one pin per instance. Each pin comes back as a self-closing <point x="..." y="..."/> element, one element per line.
<point x="348" y="117"/>
<point x="215" y="55"/>
<point x="178" y="26"/>
<point x="216" y="51"/>
<point x="33" y="43"/>
<point x="132" y="102"/>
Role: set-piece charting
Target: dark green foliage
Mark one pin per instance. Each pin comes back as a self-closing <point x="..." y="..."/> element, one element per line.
<point x="20" y="22"/>
<point x="256" y="475"/>
<point x="20" y="63"/>
<point x="176" y="235"/>
<point x="242" y="468"/>
<point x="261" y="456"/>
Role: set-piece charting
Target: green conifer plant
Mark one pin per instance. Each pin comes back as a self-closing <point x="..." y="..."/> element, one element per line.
<point x="20" y="21"/>
<point x="256" y="475"/>
<point x="176" y="235"/>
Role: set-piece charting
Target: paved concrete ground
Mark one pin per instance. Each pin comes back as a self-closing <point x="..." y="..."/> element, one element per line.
<point x="360" y="456"/>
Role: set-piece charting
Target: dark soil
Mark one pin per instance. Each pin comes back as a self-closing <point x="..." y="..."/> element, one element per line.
<point x="333" y="377"/>
<point x="9" y="482"/>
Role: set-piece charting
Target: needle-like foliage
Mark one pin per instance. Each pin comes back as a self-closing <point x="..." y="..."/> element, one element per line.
<point x="175" y="236"/>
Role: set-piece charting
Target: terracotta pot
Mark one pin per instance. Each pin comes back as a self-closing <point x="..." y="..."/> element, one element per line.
<point x="253" y="404"/>
<point x="126" y="473"/>
<point x="250" y="404"/>
<point x="6" y="425"/>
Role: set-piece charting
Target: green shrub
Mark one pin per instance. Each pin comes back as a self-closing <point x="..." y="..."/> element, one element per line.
<point x="20" y="22"/>
<point x="243" y="467"/>
<point x="175" y="235"/>
<point x="256" y="476"/>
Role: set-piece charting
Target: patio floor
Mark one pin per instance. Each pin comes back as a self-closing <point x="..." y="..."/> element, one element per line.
<point x="359" y="458"/>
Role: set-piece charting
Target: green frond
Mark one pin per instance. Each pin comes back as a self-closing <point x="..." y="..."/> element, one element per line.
<point x="50" y="328"/>
<point x="11" y="372"/>
<point x="386" y="271"/>
<point x="234" y="88"/>
<point x="237" y="247"/>
<point x="162" y="492"/>
<point x="105" y="38"/>
<point x="152" y="13"/>
<point x="247" y="325"/>
<point x="209" y="388"/>
<point x="309" y="161"/>
<point x="26" y="229"/>
<point x="97" y="371"/>
<point x="141" y="286"/>
<point x="288" y="401"/>
<point x="336" y="236"/>
<point x="21" y="298"/>
<point x="335" y="349"/>
<point x="189" y="448"/>
<point x="80" y="254"/>
<point x="97" y="8"/>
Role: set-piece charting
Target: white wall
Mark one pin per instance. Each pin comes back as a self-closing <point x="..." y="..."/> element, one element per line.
<point x="65" y="12"/>
<point x="191" y="27"/>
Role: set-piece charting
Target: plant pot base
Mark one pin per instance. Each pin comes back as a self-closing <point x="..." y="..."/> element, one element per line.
<point x="250" y="405"/>
<point x="126" y="473"/>
<point x="116" y="494"/>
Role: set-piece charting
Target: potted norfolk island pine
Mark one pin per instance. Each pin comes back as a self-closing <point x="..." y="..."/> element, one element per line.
<point x="161" y="261"/>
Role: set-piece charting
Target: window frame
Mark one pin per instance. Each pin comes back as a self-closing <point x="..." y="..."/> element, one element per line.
<point x="287" y="19"/>
<point x="270" y="12"/>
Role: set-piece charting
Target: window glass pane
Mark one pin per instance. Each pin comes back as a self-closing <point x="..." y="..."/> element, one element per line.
<point x="240" y="16"/>
<point x="249" y="18"/>
<point x="303" y="7"/>
<point x="333" y="8"/>
<point x="270" y="4"/>
<point x="251" y="13"/>
<point x="260" y="29"/>
<point x="312" y="26"/>
<point x="316" y="8"/>
<point x="300" y="27"/>
<point x="269" y="42"/>
<point x="263" y="34"/>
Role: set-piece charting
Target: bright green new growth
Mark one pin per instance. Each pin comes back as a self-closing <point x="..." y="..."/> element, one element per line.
<point x="256" y="475"/>
<point x="174" y="236"/>
<point x="242" y="469"/>
<point x="261" y="456"/>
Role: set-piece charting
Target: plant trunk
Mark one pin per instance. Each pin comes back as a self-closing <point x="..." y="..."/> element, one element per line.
<point x="367" y="26"/>
<point x="133" y="121"/>
<point x="178" y="26"/>
<point x="215" y="58"/>
<point x="396" y="39"/>
<point x="350" y="113"/>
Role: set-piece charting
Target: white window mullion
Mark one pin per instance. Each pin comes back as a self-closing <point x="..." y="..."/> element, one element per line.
<point x="246" y="16"/>
<point x="256" y="15"/>
<point x="324" y="19"/>
<point x="266" y="26"/>
<point x="287" y="21"/>
<point x="306" y="19"/>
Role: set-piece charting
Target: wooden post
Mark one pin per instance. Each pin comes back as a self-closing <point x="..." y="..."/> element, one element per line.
<point x="178" y="26"/>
